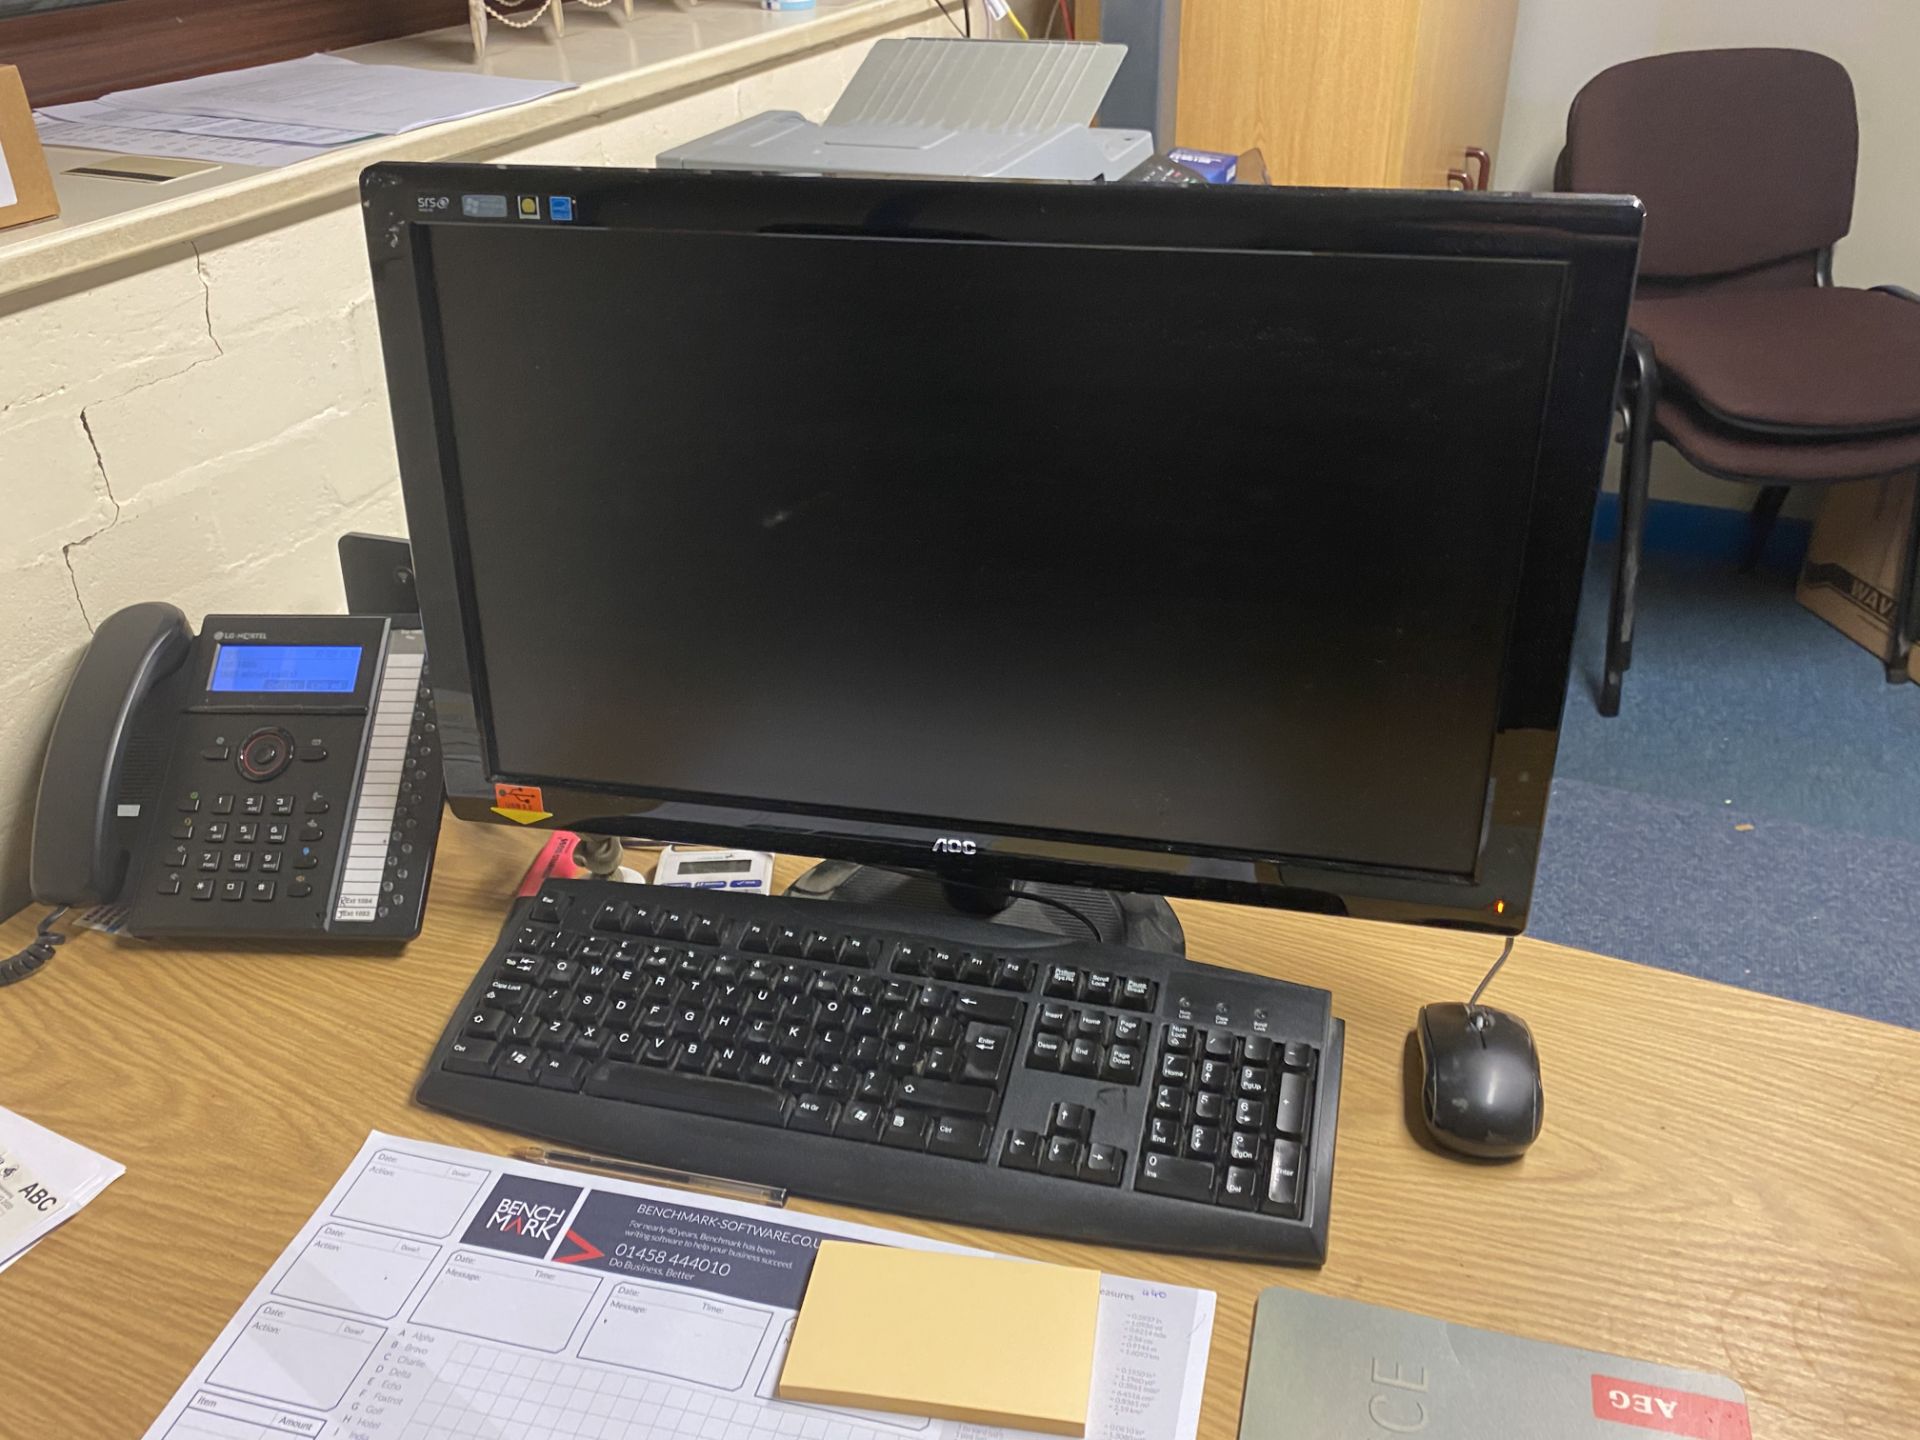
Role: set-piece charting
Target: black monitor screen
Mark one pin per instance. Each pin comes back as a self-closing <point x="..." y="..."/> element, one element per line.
<point x="1197" y="549"/>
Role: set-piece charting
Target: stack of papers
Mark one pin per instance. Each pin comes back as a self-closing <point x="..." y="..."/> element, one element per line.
<point x="280" y="114"/>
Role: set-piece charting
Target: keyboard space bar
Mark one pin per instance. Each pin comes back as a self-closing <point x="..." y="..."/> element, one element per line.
<point x="724" y="1099"/>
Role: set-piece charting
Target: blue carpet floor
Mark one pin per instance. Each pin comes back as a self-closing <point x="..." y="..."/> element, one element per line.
<point x="1753" y="815"/>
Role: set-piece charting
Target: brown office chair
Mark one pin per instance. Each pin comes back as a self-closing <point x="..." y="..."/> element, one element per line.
<point x="1743" y="354"/>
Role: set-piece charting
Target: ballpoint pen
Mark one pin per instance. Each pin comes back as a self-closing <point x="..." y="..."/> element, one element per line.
<point x="654" y="1174"/>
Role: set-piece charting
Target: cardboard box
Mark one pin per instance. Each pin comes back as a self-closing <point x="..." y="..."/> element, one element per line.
<point x="26" y="187"/>
<point x="1855" y="567"/>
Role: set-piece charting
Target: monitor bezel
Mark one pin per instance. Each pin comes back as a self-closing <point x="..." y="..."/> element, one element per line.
<point x="1596" y="238"/>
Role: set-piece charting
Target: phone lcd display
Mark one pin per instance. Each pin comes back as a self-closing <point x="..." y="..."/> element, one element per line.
<point x="285" y="669"/>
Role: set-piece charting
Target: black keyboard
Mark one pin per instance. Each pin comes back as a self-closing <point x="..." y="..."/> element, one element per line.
<point x="936" y="1066"/>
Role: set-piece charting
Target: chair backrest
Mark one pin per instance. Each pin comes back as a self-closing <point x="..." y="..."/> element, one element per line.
<point x="1743" y="158"/>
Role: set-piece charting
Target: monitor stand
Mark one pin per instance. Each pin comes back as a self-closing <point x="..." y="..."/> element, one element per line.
<point x="1115" y="917"/>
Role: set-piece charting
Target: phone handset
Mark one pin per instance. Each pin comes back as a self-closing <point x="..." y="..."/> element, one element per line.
<point x="79" y="857"/>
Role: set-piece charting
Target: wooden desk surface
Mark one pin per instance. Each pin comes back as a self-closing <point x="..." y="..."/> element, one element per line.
<point x="1726" y="1181"/>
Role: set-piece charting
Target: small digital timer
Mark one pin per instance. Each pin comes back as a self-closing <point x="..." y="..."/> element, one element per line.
<point x="691" y="868"/>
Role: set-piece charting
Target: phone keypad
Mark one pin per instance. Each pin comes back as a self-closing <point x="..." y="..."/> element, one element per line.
<point x="253" y="847"/>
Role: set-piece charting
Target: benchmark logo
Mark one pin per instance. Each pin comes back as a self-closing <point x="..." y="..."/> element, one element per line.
<point x="523" y="1216"/>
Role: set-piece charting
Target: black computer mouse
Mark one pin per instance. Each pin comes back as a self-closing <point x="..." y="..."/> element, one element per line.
<point x="1480" y="1091"/>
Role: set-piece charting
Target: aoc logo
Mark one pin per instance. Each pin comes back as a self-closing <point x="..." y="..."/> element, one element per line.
<point x="523" y="1216"/>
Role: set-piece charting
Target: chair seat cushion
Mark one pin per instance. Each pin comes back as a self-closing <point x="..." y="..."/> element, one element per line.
<point x="1768" y="459"/>
<point x="1820" y="361"/>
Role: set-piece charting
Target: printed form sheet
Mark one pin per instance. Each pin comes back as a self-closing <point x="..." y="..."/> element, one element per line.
<point x="441" y="1294"/>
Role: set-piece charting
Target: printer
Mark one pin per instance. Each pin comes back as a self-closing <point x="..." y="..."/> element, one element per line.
<point x="1000" y="109"/>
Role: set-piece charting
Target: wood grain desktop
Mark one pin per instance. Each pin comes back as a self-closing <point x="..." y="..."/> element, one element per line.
<point x="1726" y="1181"/>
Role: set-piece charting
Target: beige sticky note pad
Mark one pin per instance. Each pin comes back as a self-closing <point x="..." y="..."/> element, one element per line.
<point x="958" y="1337"/>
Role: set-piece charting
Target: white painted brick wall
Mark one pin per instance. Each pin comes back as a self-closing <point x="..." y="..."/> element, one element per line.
<point x="202" y="426"/>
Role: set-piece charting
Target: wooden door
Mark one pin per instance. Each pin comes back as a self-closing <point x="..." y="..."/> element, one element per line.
<point x="1319" y="86"/>
<point x="1462" y="50"/>
<point x="1343" y="92"/>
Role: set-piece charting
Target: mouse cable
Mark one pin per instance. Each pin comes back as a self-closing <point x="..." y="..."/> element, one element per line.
<point x="39" y="950"/>
<point x="1487" y="979"/>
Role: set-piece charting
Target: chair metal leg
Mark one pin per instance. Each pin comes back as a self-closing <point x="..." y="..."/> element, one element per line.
<point x="1906" y="598"/>
<point x="1766" y="510"/>
<point x="1640" y="395"/>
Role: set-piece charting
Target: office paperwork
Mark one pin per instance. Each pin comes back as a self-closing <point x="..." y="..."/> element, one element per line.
<point x="968" y="1337"/>
<point x="342" y="94"/>
<point x="44" y="1180"/>
<point x="138" y="140"/>
<point x="439" y="1292"/>
<point x="280" y="114"/>
<point x="100" y="112"/>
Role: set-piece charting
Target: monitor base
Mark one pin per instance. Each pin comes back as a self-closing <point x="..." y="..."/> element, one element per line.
<point x="1112" y="917"/>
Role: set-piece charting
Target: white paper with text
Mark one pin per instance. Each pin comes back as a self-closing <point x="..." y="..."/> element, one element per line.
<point x="45" y="1179"/>
<point x="440" y="1293"/>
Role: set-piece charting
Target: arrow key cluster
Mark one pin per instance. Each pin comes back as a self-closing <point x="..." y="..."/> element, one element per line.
<point x="1067" y="1149"/>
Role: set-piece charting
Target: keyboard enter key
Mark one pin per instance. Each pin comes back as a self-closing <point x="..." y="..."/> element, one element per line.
<point x="985" y="1054"/>
<point x="943" y="1095"/>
